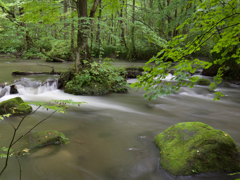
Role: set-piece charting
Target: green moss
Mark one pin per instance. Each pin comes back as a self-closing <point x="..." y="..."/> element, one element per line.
<point x="43" y="138"/>
<point x="16" y="71"/>
<point x="39" y="139"/>
<point x="14" y="106"/>
<point x="190" y="147"/>
<point x="203" y="81"/>
<point x="92" y="89"/>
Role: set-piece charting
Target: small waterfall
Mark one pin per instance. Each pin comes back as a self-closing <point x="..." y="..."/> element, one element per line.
<point x="8" y="90"/>
<point x="48" y="85"/>
<point x="27" y="86"/>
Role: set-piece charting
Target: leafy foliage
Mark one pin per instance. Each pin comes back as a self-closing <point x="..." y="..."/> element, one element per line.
<point x="97" y="79"/>
<point x="213" y="20"/>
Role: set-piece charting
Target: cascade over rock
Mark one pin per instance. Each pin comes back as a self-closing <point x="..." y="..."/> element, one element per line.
<point x="194" y="147"/>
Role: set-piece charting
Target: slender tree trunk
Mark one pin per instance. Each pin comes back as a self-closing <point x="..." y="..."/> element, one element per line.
<point x="65" y="11"/>
<point x="169" y="20"/>
<point x="123" y="41"/>
<point x="112" y="29"/>
<point x="25" y="40"/>
<point x="175" y="32"/>
<point x="91" y="46"/>
<point x="72" y="28"/>
<point x="83" y="30"/>
<point x="133" y="31"/>
<point x="151" y="3"/>
<point x="99" y="31"/>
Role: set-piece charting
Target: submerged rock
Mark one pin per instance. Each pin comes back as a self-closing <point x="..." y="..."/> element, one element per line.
<point x="39" y="139"/>
<point x="194" y="147"/>
<point x="14" y="106"/>
<point x="203" y="81"/>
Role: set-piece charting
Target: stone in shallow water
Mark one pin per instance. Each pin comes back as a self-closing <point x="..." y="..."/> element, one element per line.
<point x="194" y="147"/>
<point x="37" y="140"/>
<point x="14" y="106"/>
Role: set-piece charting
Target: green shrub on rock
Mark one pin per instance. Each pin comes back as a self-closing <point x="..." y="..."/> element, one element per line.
<point x="194" y="147"/>
<point x="203" y="81"/>
<point x="14" y="106"/>
<point x="97" y="79"/>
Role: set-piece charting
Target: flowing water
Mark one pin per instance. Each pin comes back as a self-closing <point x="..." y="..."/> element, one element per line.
<point x="111" y="137"/>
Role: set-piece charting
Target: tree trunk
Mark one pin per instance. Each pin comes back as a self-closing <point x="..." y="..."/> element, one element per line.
<point x="83" y="30"/>
<point x="123" y="41"/>
<point x="72" y="29"/>
<point x="65" y="11"/>
<point x="169" y="20"/>
<point x="99" y="31"/>
<point x="133" y="31"/>
<point x="175" y="32"/>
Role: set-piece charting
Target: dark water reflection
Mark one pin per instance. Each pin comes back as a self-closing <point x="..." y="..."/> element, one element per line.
<point x="111" y="137"/>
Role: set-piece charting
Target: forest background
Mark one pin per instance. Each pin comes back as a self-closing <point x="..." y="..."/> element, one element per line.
<point x="162" y="31"/>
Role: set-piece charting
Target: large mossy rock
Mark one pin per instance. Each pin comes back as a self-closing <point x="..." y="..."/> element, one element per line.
<point x="37" y="140"/>
<point x="14" y="106"/>
<point x="91" y="89"/>
<point x="194" y="147"/>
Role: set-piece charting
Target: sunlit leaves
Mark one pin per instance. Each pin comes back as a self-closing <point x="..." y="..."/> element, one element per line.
<point x="5" y="149"/>
<point x="211" y="21"/>
<point x="45" y="11"/>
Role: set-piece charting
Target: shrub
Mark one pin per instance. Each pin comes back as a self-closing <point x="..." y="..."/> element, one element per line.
<point x="97" y="79"/>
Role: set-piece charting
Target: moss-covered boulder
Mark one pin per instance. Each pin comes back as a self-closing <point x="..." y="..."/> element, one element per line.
<point x="39" y="139"/>
<point x="194" y="147"/>
<point x="203" y="81"/>
<point x="91" y="89"/>
<point x="14" y="106"/>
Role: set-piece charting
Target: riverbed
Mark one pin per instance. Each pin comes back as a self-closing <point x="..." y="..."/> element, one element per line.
<point x="111" y="137"/>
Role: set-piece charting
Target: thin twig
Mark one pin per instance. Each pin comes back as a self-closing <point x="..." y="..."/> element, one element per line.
<point x="46" y="66"/>
<point x="20" y="168"/>
<point x="8" y="118"/>
<point x="33" y="127"/>
<point x="14" y="134"/>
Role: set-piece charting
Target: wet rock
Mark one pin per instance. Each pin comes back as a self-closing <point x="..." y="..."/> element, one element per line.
<point x="50" y="82"/>
<point x="15" y="73"/>
<point x="39" y="139"/>
<point x="13" y="89"/>
<point x="3" y="92"/>
<point x="194" y="147"/>
<point x="27" y="82"/>
<point x="14" y="106"/>
<point x="133" y="72"/>
<point x="2" y="85"/>
<point x="132" y="149"/>
<point x="211" y="71"/>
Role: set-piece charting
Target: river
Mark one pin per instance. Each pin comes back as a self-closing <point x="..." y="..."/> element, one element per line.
<point x="111" y="137"/>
